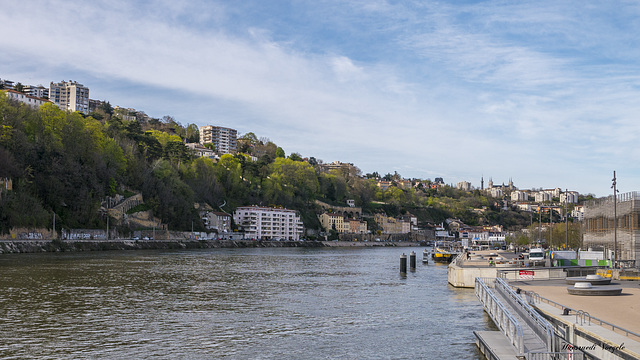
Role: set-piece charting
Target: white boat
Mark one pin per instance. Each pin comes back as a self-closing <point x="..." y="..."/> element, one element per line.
<point x="425" y="256"/>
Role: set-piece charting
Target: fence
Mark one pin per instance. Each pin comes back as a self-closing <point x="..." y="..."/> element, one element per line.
<point x="499" y="314"/>
<point x="536" y="322"/>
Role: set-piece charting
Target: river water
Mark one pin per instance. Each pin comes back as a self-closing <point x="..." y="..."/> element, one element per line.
<point x="274" y="303"/>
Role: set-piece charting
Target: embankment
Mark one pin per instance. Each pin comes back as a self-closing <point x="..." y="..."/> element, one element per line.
<point x="39" y="246"/>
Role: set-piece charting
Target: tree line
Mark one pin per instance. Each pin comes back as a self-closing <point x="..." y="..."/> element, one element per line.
<point x="66" y="163"/>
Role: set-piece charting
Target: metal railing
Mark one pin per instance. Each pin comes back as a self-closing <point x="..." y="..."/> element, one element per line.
<point x="583" y="316"/>
<point x="536" y="322"/>
<point x="499" y="313"/>
<point x="457" y="261"/>
<point x="567" y="355"/>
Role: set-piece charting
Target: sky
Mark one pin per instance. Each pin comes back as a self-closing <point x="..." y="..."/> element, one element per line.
<point x="545" y="93"/>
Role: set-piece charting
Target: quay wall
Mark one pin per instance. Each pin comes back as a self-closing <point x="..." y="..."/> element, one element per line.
<point x="40" y="246"/>
<point x="465" y="277"/>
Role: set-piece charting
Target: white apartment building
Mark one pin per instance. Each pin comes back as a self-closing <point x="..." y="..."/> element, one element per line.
<point x="519" y="196"/>
<point x="266" y="223"/>
<point x="36" y="91"/>
<point x="70" y="96"/>
<point x="225" y="140"/>
<point x="543" y="196"/>
<point x="496" y="192"/>
<point x="32" y="101"/>
<point x="578" y="213"/>
<point x="570" y="197"/>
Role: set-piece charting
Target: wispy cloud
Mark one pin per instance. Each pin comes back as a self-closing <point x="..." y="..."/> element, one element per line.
<point x="422" y="88"/>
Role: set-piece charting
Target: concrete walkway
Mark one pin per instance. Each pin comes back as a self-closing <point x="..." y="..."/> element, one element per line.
<point x="622" y="310"/>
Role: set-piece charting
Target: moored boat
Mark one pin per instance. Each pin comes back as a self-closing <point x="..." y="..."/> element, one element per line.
<point x="425" y="256"/>
<point x="442" y="255"/>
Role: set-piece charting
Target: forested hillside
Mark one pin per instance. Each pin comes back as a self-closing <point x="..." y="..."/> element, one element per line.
<point x="66" y="163"/>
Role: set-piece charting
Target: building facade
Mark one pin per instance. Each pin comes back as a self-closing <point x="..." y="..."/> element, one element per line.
<point x="32" y="101"/>
<point x="225" y="140"/>
<point x="70" y="96"/>
<point x="391" y="225"/>
<point x="464" y="185"/>
<point x="217" y="221"/>
<point x="265" y="223"/>
<point x="331" y="221"/>
<point x="36" y="91"/>
<point x="570" y="197"/>
<point x="519" y="196"/>
<point x="601" y="232"/>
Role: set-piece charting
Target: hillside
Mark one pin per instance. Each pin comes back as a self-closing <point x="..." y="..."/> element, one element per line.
<point x="66" y="163"/>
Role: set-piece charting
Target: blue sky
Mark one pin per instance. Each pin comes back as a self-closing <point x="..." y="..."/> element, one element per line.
<point x="544" y="92"/>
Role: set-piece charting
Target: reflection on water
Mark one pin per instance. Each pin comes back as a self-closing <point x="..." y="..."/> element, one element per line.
<point x="235" y="303"/>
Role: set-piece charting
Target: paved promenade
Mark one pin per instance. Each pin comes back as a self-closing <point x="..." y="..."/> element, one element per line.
<point x="622" y="310"/>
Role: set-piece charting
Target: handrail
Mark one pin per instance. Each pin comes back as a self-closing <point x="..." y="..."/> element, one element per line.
<point x="499" y="314"/>
<point x="457" y="261"/>
<point x="532" y="296"/>
<point x="538" y="324"/>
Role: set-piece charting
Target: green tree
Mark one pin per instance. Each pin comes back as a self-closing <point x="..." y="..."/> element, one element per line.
<point x="280" y="153"/>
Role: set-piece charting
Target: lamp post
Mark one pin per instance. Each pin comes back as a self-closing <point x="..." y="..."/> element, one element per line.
<point x="566" y="217"/>
<point x="615" y="222"/>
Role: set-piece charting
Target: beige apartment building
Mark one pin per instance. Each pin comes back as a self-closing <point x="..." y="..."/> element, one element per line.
<point x="225" y="140"/>
<point x="391" y="225"/>
<point x="70" y="96"/>
<point x="331" y="220"/>
<point x="357" y="226"/>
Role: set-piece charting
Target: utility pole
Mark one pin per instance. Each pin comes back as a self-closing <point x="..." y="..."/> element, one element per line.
<point x="551" y="226"/>
<point x="540" y="223"/>
<point x="615" y="222"/>
<point x="531" y="231"/>
<point x="566" y="217"/>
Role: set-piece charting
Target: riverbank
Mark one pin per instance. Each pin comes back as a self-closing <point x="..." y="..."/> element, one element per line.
<point x="39" y="246"/>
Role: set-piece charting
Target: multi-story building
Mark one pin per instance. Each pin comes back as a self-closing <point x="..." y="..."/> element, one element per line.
<point x="542" y="196"/>
<point x="331" y="221"/>
<point x="267" y="223"/>
<point x="464" y="185"/>
<point x="570" y="197"/>
<point x="496" y="192"/>
<point x="519" y="195"/>
<point x="32" y="101"/>
<point x="36" y="91"/>
<point x="126" y="114"/>
<point x="70" y="96"/>
<point x="578" y="213"/>
<point x="201" y="151"/>
<point x="225" y="140"/>
<point x="357" y="226"/>
<point x="384" y="185"/>
<point x="601" y="231"/>
<point x="218" y="221"/>
<point x="6" y="84"/>
<point x="391" y="225"/>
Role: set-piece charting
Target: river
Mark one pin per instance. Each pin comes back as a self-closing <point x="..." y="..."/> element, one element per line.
<point x="266" y="303"/>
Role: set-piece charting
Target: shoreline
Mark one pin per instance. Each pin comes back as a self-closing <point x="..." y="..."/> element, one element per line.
<point x="43" y="246"/>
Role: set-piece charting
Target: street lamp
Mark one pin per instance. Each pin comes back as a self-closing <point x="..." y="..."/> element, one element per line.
<point x="615" y="222"/>
<point x="566" y="217"/>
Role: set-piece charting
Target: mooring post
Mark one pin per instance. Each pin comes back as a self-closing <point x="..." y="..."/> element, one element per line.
<point x="412" y="261"/>
<point x="403" y="264"/>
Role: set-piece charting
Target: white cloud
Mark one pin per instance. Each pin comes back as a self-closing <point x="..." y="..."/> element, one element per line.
<point x="427" y="88"/>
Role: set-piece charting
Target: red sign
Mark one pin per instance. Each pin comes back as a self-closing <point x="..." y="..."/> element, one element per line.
<point x="526" y="274"/>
